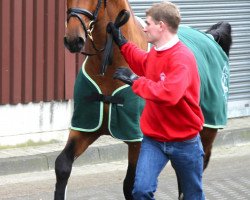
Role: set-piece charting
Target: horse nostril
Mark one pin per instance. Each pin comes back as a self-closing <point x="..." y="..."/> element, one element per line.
<point x="74" y="45"/>
<point x="80" y="42"/>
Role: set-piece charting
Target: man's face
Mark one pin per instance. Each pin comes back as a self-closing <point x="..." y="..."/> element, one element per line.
<point x="152" y="30"/>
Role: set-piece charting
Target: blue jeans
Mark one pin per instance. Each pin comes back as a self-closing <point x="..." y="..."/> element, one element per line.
<point x="186" y="158"/>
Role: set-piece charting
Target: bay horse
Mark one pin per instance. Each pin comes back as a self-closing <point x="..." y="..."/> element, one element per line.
<point x="86" y="31"/>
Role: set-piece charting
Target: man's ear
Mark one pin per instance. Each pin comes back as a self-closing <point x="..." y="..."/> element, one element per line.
<point x="162" y="25"/>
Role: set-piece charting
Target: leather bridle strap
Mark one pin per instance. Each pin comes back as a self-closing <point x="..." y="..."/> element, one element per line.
<point x="76" y="12"/>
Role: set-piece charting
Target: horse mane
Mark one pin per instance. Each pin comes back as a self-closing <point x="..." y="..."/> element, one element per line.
<point x="130" y="8"/>
<point x="135" y="30"/>
<point x="222" y="35"/>
<point x="132" y="12"/>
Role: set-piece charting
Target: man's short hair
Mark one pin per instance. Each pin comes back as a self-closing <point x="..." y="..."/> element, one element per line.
<point x="166" y="12"/>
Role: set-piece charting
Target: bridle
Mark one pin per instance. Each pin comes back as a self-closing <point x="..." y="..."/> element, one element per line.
<point x="121" y="19"/>
<point x="77" y="12"/>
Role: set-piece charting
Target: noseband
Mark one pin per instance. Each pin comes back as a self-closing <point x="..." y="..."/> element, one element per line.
<point x="77" y="12"/>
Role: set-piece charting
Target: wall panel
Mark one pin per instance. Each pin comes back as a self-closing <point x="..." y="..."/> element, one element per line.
<point x="5" y="52"/>
<point x="33" y="60"/>
<point x="201" y="14"/>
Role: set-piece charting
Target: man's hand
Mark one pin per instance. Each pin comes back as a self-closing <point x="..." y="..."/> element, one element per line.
<point x="116" y="34"/>
<point x="125" y="75"/>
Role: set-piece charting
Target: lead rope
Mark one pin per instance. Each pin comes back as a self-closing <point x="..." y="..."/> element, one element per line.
<point x="121" y="19"/>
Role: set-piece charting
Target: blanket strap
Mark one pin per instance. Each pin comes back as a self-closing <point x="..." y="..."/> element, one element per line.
<point x="105" y="98"/>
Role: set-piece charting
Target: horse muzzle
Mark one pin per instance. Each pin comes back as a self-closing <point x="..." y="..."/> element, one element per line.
<point x="74" y="45"/>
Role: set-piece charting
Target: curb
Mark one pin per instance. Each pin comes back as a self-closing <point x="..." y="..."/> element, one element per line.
<point x="232" y="137"/>
<point x="102" y="154"/>
<point x="46" y="161"/>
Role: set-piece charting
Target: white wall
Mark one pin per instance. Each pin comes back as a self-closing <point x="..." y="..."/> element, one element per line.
<point x="239" y="108"/>
<point x="34" y="121"/>
<point x="47" y="121"/>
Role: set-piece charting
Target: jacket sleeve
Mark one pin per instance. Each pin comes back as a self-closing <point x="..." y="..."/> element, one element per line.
<point x="135" y="57"/>
<point x="169" y="91"/>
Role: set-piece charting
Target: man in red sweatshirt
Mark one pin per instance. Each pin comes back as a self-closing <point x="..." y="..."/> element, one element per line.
<point x="167" y="78"/>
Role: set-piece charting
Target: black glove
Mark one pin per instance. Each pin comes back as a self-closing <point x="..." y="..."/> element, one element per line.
<point x="116" y="34"/>
<point x="125" y="75"/>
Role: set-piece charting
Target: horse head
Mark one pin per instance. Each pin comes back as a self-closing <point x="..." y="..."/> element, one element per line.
<point x="81" y="19"/>
<point x="87" y="20"/>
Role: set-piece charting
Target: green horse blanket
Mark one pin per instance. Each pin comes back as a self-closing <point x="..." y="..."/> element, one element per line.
<point x="123" y="120"/>
<point x="213" y="66"/>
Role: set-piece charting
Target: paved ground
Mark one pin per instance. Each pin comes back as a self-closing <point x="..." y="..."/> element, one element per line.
<point x="227" y="178"/>
<point x="105" y="149"/>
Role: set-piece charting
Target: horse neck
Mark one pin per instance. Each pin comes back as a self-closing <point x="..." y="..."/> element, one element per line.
<point x="131" y="30"/>
<point x="134" y="32"/>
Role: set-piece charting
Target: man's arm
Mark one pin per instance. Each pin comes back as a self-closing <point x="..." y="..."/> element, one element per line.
<point x="135" y="57"/>
<point x="169" y="91"/>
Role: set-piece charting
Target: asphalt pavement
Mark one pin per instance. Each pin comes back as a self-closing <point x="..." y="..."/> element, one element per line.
<point x="226" y="178"/>
<point x="105" y="149"/>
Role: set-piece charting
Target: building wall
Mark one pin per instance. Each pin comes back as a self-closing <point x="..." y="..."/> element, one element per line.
<point x="37" y="74"/>
<point x="43" y="121"/>
<point x="34" y="65"/>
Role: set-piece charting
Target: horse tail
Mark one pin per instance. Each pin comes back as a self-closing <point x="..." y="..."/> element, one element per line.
<point x="222" y="35"/>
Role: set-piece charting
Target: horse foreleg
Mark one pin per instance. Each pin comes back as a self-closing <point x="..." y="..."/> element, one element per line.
<point x="208" y="136"/>
<point x="63" y="167"/>
<point x="128" y="183"/>
<point x="77" y="143"/>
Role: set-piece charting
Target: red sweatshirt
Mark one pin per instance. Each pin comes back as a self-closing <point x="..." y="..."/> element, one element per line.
<point x="170" y="85"/>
